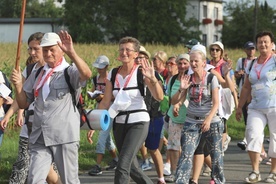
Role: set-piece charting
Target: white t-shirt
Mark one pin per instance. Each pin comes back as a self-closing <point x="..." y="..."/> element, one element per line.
<point x="137" y="101"/>
<point x="2" y="80"/>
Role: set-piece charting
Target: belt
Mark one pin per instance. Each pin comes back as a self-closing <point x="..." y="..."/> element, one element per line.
<point x="195" y="117"/>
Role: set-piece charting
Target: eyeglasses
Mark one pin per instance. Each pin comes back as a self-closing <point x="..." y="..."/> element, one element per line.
<point x="127" y="50"/>
<point x="217" y="50"/>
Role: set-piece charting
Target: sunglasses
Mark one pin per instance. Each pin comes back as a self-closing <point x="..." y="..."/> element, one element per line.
<point x="170" y="63"/>
<point x="217" y="50"/>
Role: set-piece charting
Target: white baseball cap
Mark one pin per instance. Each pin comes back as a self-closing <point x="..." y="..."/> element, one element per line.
<point x="50" y="39"/>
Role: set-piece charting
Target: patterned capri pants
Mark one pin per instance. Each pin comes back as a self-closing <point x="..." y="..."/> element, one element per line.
<point x="191" y="135"/>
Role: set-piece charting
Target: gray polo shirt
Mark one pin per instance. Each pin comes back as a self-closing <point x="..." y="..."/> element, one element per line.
<point x="55" y="117"/>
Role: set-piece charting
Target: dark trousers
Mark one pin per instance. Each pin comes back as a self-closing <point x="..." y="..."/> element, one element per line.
<point x="129" y="139"/>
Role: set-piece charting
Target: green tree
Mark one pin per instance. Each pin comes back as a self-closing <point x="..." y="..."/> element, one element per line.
<point x="238" y="26"/>
<point x="85" y="19"/>
<point x="34" y="9"/>
<point x="151" y="21"/>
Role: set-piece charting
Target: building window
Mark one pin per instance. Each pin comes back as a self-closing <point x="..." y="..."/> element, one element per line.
<point x="215" y="38"/>
<point x="216" y="13"/>
<point x="205" y="15"/>
<point x="204" y="39"/>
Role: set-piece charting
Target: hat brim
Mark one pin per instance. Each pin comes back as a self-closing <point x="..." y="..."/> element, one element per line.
<point x="250" y="47"/>
<point x="189" y="46"/>
<point x="96" y="65"/>
<point x="145" y="53"/>
<point x="47" y="44"/>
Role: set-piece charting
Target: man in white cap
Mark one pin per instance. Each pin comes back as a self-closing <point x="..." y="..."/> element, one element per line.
<point x="55" y="129"/>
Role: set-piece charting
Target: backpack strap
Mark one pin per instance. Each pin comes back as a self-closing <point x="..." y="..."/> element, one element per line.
<point x="38" y="72"/>
<point x="251" y="65"/>
<point x="29" y="69"/>
<point x="210" y="78"/>
<point x="172" y="81"/>
<point x="243" y="60"/>
<point x="72" y="91"/>
<point x="73" y="95"/>
<point x="95" y="81"/>
<point x="113" y="76"/>
<point x="140" y="80"/>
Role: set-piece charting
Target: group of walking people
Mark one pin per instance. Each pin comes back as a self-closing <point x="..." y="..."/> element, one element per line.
<point x="183" y="95"/>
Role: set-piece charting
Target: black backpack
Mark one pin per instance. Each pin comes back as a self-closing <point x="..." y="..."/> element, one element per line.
<point x="140" y="80"/>
<point x="79" y="103"/>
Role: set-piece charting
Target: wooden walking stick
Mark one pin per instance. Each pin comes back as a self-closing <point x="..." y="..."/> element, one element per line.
<point x="20" y="34"/>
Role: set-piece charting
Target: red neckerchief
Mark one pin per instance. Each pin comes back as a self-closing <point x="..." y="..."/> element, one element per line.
<point x="217" y="65"/>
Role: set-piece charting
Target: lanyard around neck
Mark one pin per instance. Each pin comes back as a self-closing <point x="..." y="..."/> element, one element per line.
<point x="200" y="87"/>
<point x="128" y="78"/>
<point x="259" y="72"/>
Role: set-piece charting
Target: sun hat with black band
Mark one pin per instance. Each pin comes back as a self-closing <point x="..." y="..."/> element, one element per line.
<point x="143" y="50"/>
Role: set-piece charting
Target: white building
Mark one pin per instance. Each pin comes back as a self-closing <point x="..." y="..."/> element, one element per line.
<point x="9" y="28"/>
<point x="210" y="14"/>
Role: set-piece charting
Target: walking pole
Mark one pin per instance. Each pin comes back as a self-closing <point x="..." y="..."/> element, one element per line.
<point x="20" y="34"/>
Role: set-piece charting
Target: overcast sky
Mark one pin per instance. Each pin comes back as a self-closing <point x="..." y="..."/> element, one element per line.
<point x="271" y="3"/>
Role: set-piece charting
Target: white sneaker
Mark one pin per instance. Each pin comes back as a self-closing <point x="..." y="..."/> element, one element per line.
<point x="206" y="170"/>
<point x="167" y="169"/>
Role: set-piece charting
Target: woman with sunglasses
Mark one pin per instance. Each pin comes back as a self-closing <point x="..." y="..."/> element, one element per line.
<point x="217" y="60"/>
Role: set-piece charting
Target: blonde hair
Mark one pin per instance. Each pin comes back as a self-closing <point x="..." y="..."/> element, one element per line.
<point x="161" y="55"/>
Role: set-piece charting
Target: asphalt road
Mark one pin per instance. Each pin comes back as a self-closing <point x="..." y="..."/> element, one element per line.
<point x="236" y="167"/>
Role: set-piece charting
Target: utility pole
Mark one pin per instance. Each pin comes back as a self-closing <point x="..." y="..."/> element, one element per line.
<point x="255" y="18"/>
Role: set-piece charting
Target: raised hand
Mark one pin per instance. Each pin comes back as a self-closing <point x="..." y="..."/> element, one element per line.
<point x="147" y="69"/>
<point x="226" y="67"/>
<point x="185" y="82"/>
<point x="66" y="42"/>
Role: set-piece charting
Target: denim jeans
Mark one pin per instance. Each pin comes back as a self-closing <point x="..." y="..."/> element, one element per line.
<point x="1" y="137"/>
<point x="191" y="135"/>
<point x="105" y="140"/>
